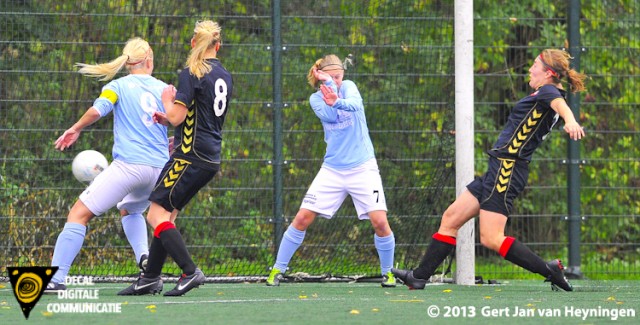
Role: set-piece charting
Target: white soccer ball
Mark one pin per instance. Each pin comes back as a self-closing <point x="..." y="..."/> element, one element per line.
<point x="88" y="164"/>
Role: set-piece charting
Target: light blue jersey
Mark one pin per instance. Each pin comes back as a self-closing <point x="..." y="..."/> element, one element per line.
<point x="345" y="127"/>
<point x="137" y="139"/>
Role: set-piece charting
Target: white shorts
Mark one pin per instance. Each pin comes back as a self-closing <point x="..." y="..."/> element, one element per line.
<point x="124" y="185"/>
<point x="331" y="187"/>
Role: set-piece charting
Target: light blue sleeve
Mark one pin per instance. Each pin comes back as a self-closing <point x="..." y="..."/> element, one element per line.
<point x="350" y="98"/>
<point x="104" y="105"/>
<point x="323" y="111"/>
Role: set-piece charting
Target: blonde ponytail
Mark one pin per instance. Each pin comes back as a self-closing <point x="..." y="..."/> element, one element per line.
<point x="135" y="53"/>
<point x="206" y="35"/>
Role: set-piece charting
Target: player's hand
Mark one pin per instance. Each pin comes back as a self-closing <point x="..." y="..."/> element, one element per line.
<point x="328" y="95"/>
<point x="321" y="75"/>
<point x="159" y="117"/>
<point x="68" y="138"/>
<point x="575" y="131"/>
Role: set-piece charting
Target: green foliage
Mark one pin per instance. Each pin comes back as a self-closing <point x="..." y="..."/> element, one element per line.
<point x="404" y="67"/>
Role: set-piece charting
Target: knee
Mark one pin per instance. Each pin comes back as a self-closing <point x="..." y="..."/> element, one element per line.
<point x="448" y="226"/>
<point x="80" y="214"/>
<point x="381" y="226"/>
<point x="303" y="220"/>
<point x="491" y="242"/>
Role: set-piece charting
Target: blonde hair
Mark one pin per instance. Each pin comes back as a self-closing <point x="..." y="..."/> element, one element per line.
<point x="206" y="36"/>
<point x="558" y="62"/>
<point x="327" y="63"/>
<point x="134" y="54"/>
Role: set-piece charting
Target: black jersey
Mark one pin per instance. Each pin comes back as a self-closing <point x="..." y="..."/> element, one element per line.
<point x="199" y="138"/>
<point x="529" y="123"/>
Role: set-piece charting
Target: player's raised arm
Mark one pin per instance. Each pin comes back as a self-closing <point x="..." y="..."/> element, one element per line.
<point x="71" y="135"/>
<point x="571" y="126"/>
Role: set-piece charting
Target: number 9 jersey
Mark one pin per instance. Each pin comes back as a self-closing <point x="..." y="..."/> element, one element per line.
<point x="199" y="138"/>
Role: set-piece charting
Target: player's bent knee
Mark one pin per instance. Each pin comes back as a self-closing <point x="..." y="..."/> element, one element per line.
<point x="491" y="242"/>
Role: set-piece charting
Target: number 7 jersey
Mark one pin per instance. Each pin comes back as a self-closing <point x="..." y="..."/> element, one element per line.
<point x="199" y="138"/>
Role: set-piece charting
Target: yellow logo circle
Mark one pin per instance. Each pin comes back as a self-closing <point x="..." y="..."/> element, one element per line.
<point x="28" y="287"/>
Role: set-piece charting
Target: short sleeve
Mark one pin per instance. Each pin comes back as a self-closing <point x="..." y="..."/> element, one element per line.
<point x="186" y="88"/>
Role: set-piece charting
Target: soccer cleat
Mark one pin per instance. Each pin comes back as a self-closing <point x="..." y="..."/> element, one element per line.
<point x="53" y="288"/>
<point x="388" y="280"/>
<point x="143" y="263"/>
<point x="557" y="278"/>
<point x="143" y="286"/>
<point x="406" y="276"/>
<point x="274" y="278"/>
<point x="186" y="283"/>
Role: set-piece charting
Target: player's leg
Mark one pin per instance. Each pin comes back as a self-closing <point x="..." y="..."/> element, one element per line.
<point x="385" y="244"/>
<point x="135" y="229"/>
<point x="180" y="186"/>
<point x="293" y="237"/>
<point x="141" y="183"/>
<point x="511" y="181"/>
<point x="68" y="244"/>
<point x="291" y="241"/>
<point x="465" y="207"/>
<point x="492" y="236"/>
<point x="364" y="184"/>
<point x="324" y="196"/>
<point x="179" y="183"/>
<point x="101" y="195"/>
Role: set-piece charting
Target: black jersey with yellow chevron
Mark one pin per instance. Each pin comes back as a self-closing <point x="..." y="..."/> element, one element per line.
<point x="530" y="121"/>
<point x="199" y="138"/>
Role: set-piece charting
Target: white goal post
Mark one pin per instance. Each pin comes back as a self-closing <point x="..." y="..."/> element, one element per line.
<point x="464" y="126"/>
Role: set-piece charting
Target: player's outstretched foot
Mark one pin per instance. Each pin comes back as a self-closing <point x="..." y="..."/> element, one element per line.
<point x="186" y="283"/>
<point x="274" y="278"/>
<point x="388" y="280"/>
<point x="406" y="276"/>
<point x="53" y="288"/>
<point x="557" y="278"/>
<point x="143" y="286"/>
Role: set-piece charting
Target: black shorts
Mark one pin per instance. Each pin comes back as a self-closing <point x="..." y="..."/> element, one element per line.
<point x="500" y="185"/>
<point x="179" y="182"/>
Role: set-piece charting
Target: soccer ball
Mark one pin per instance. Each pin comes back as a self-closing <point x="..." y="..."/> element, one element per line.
<point x="88" y="164"/>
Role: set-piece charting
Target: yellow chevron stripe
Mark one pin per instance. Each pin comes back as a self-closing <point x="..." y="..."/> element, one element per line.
<point x="188" y="131"/>
<point x="531" y="122"/>
<point x="503" y="180"/>
<point x="536" y="115"/>
<point x="512" y="149"/>
<point x="190" y="122"/>
<point x="508" y="163"/>
<point x="188" y="140"/>
<point x="525" y="129"/>
<point x="505" y="173"/>
<point x="501" y="188"/>
<point x="515" y="143"/>
<point x="186" y="149"/>
<point x="168" y="183"/>
<point x="178" y="167"/>
<point x="521" y="136"/>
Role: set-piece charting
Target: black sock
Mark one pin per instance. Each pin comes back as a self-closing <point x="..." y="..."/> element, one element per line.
<point x="175" y="246"/>
<point x="439" y="248"/>
<point x="157" y="257"/>
<point x="519" y="254"/>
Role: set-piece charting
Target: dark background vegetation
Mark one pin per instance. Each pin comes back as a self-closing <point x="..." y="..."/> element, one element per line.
<point x="403" y="58"/>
